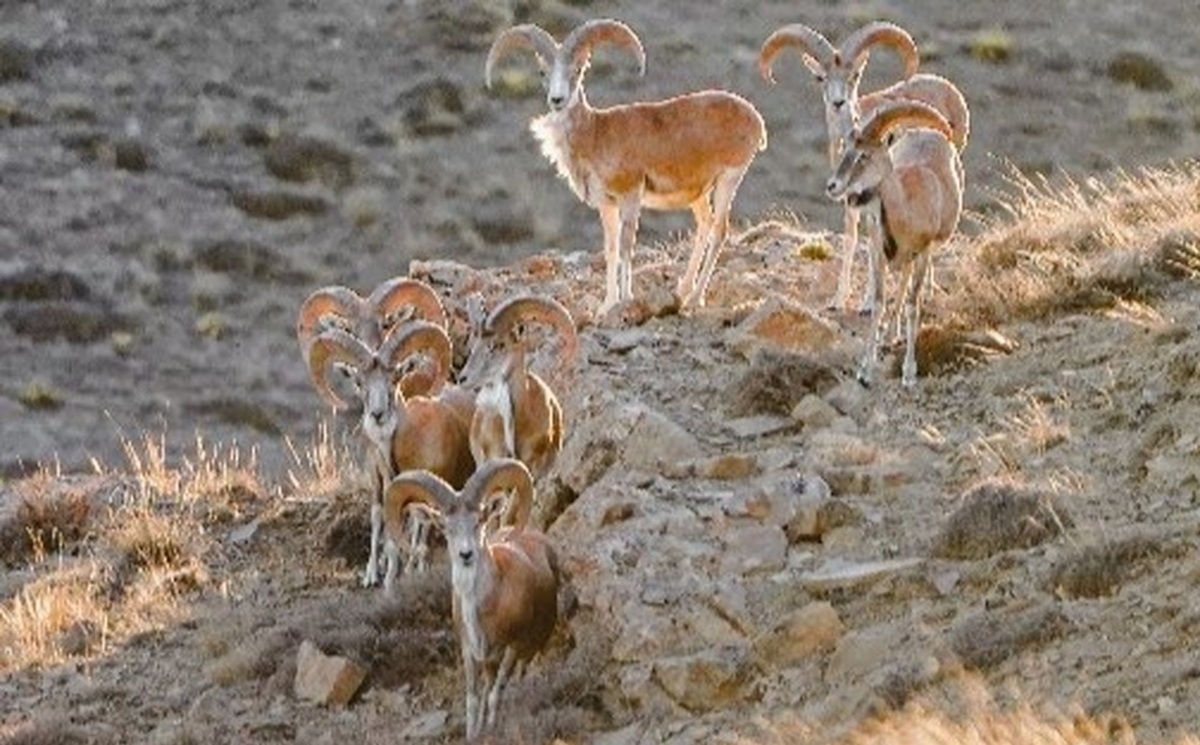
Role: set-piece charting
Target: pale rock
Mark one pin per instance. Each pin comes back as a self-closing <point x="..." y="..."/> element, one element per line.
<point x="632" y="734"/>
<point x="712" y="679"/>
<point x="861" y="653"/>
<point x="728" y="467"/>
<point x="849" y="397"/>
<point x="781" y="326"/>
<point x="815" y="412"/>
<point x="640" y="690"/>
<point x="749" y="427"/>
<point x="326" y="679"/>
<point x="752" y="549"/>
<point x="838" y="574"/>
<point x="773" y="499"/>
<point x="809" y="630"/>
<point x="427" y="726"/>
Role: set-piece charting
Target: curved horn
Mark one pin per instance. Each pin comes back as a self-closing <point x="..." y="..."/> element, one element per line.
<point x="506" y="474"/>
<point x="421" y="487"/>
<point x="403" y="292"/>
<point x="526" y="36"/>
<point x="857" y="46"/>
<point x="330" y="346"/>
<point x="540" y="309"/>
<point x="904" y="114"/>
<point x="811" y="45"/>
<point x="327" y="301"/>
<point x="424" y="338"/>
<point x="578" y="45"/>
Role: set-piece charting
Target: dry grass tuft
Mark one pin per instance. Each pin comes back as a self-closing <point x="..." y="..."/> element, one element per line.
<point x="1000" y="515"/>
<point x="54" y="617"/>
<point x="322" y="467"/>
<point x="776" y="382"/>
<point x="1100" y="570"/>
<point x="1071" y="247"/>
<point x="988" y="638"/>
<point x="56" y="730"/>
<point x="560" y="699"/>
<point x="47" y="520"/>
<point x="943" y="349"/>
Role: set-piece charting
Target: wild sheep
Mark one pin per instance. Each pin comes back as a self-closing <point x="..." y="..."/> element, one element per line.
<point x="403" y="431"/>
<point x="913" y="185"/>
<point x="687" y="152"/>
<point x="505" y="584"/>
<point x="839" y="71"/>
<point x="517" y="414"/>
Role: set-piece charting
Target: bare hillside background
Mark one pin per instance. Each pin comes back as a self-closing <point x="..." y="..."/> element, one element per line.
<point x="197" y="168"/>
<point x="759" y="549"/>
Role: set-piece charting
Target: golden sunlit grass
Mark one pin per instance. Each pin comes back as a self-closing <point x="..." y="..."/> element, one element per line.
<point x="114" y="556"/>
<point x="322" y="467"/>
<point x="1065" y="246"/>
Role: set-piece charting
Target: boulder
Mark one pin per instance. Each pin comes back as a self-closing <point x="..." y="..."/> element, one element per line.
<point x="326" y="679"/>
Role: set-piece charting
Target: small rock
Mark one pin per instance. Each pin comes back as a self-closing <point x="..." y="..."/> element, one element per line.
<point x="244" y="533"/>
<point x="620" y="341"/>
<point x="859" y="654"/>
<point x="719" y="468"/>
<point x="1000" y="516"/>
<point x="818" y="513"/>
<point x="326" y="679"/>
<point x="427" y="726"/>
<point x="809" y="630"/>
<point x="712" y="679"/>
<point x="814" y="412"/>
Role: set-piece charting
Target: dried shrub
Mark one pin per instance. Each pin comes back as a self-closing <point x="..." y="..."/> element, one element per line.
<point x="1000" y="515"/>
<point x="1100" y="570"/>
<point x="776" y="382"/>
<point x="46" y="521"/>
<point x="986" y="639"/>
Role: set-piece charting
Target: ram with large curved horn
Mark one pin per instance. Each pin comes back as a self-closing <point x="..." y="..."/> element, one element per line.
<point x="504" y="584"/>
<point x="372" y="318"/>
<point x="913" y="188"/>
<point x="517" y="414"/>
<point x="838" y="70"/>
<point x="401" y="431"/>
<point x="688" y="152"/>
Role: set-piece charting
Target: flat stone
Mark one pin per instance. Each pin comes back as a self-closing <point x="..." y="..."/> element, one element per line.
<point x="758" y="426"/>
<point x="842" y="575"/>
<point x="326" y="679"/>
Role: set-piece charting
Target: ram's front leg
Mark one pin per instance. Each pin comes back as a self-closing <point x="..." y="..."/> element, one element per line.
<point x="610" y="218"/>
<point x="849" y="254"/>
<point x="371" y="574"/>
<point x="866" y="368"/>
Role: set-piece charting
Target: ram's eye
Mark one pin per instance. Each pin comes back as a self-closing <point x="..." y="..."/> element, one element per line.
<point x="820" y="78"/>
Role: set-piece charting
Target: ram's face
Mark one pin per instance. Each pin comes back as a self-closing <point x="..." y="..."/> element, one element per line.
<point x="562" y="85"/>
<point x="858" y="175"/>
<point x="376" y="389"/>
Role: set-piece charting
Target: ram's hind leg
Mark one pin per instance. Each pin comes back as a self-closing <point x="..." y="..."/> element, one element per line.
<point x="703" y="212"/>
<point x="849" y="254"/>
<point x="724" y="190"/>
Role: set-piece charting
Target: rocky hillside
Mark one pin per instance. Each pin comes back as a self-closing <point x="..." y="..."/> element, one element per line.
<point x="757" y="549"/>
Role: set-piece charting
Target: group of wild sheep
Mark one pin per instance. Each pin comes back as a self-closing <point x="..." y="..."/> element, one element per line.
<point x="463" y="451"/>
